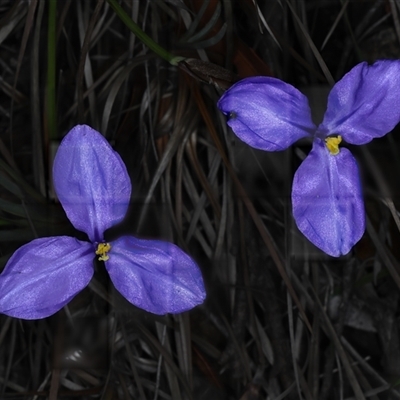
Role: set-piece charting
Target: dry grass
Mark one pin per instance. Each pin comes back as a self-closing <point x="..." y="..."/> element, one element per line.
<point x="281" y="320"/>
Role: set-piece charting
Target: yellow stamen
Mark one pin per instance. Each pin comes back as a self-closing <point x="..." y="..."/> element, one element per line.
<point x="332" y="143"/>
<point x="102" y="250"/>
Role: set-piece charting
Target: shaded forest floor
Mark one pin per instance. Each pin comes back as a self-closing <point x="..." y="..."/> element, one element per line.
<point x="281" y="320"/>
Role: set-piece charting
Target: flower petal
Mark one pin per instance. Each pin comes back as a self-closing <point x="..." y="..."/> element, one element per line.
<point x="154" y="275"/>
<point x="327" y="201"/>
<point x="365" y="103"/>
<point x="91" y="182"/>
<point x="266" y="113"/>
<point x="44" y="275"/>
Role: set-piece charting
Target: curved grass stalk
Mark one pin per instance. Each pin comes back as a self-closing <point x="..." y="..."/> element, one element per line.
<point x="147" y="40"/>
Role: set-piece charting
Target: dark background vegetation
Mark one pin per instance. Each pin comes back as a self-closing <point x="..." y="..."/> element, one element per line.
<point x="281" y="319"/>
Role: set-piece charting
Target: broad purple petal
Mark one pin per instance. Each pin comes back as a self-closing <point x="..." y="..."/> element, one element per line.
<point x="365" y="103"/>
<point x="266" y="113"/>
<point x="91" y="182"/>
<point x="154" y="275"/>
<point x="44" y="275"/>
<point x="327" y="201"/>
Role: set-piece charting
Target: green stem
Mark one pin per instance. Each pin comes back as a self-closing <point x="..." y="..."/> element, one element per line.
<point x="51" y="72"/>
<point x="147" y="40"/>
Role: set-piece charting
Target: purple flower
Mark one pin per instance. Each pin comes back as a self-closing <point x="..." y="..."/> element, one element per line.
<point x="94" y="188"/>
<point x="269" y="114"/>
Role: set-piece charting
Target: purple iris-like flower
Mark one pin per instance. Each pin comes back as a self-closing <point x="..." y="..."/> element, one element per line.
<point x="93" y="186"/>
<point x="327" y="201"/>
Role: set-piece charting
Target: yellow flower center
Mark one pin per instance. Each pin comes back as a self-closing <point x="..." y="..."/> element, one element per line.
<point x="332" y="143"/>
<point x="102" y="250"/>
